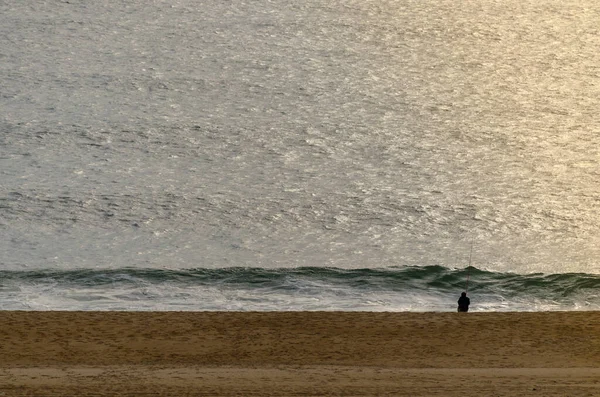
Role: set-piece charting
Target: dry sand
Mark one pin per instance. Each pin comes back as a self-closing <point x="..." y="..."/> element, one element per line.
<point x="299" y="354"/>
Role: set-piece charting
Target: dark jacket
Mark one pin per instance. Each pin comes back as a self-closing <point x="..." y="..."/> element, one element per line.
<point x="463" y="303"/>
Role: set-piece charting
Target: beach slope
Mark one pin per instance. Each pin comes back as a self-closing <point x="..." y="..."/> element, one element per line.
<point x="299" y="354"/>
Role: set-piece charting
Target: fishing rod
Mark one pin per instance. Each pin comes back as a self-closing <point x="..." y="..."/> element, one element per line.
<point x="469" y="268"/>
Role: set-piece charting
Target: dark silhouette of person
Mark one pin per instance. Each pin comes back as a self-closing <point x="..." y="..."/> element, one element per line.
<point x="463" y="302"/>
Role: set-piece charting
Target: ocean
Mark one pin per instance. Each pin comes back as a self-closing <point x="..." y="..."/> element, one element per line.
<point x="299" y="155"/>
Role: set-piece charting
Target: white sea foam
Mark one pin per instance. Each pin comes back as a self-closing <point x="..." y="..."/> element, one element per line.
<point x="217" y="298"/>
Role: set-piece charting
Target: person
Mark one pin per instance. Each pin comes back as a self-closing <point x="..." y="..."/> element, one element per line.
<point x="463" y="302"/>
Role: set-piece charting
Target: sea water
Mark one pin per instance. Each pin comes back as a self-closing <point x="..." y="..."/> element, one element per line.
<point x="299" y="155"/>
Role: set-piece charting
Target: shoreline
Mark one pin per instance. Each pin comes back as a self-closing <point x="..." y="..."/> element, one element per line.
<point x="300" y="353"/>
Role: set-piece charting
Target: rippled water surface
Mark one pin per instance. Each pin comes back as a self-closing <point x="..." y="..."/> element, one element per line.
<point x="369" y="133"/>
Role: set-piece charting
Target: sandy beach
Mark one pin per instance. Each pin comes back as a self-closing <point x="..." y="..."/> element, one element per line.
<point x="299" y="354"/>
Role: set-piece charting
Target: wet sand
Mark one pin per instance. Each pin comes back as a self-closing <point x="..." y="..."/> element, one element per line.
<point x="299" y="354"/>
